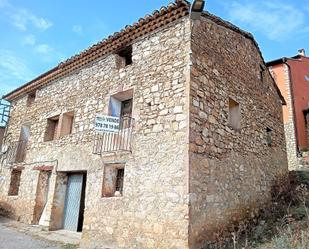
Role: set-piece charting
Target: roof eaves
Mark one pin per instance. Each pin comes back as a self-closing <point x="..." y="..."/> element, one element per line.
<point x="276" y="62"/>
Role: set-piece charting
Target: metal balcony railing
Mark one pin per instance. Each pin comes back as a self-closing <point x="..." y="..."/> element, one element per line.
<point x="115" y="141"/>
<point x="5" y="108"/>
<point x="16" y="152"/>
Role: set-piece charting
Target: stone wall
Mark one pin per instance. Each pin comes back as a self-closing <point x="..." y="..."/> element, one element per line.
<point x="153" y="211"/>
<point x="232" y="171"/>
<point x="21" y="206"/>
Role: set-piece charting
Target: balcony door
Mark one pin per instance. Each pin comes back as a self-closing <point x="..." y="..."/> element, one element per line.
<point x="126" y="113"/>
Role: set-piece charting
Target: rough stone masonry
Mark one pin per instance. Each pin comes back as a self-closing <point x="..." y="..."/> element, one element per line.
<point x="207" y="141"/>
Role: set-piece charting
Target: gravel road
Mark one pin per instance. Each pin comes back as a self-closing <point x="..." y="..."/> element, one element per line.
<point x="11" y="239"/>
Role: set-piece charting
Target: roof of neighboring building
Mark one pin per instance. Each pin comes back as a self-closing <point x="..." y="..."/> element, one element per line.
<point x="159" y="18"/>
<point x="284" y="59"/>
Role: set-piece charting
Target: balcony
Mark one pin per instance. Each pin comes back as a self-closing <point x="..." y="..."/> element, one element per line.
<point x="116" y="139"/>
<point x="16" y="152"/>
<point x="4" y="112"/>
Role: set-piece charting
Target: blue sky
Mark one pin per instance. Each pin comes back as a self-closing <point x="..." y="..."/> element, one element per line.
<point x="37" y="35"/>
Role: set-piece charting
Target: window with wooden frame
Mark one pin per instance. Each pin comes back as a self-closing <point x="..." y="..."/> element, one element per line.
<point x="113" y="180"/>
<point x="121" y="105"/>
<point x="51" y="132"/>
<point x="31" y="98"/>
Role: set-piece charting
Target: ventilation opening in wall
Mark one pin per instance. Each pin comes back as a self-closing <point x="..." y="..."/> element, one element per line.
<point x="31" y="98"/>
<point x="113" y="180"/>
<point x="124" y="57"/>
<point x="15" y="182"/>
<point x="234" y="114"/>
<point x="51" y="129"/>
<point x="268" y="137"/>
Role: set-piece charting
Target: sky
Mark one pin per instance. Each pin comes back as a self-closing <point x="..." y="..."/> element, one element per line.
<point x="36" y="35"/>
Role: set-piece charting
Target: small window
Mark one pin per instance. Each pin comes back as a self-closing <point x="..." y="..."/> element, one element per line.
<point x="15" y="182"/>
<point x="31" y="98"/>
<point x="124" y="57"/>
<point x="113" y="180"/>
<point x="51" y="132"/>
<point x="234" y="114"/>
<point x="268" y="136"/>
<point x="66" y="124"/>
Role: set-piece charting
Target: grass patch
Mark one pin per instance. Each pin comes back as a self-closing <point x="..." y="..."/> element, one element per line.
<point x="69" y="246"/>
<point x="283" y="224"/>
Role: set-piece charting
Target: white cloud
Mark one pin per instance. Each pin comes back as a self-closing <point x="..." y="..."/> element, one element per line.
<point x="48" y="54"/>
<point x="13" y="67"/>
<point x="21" y="19"/>
<point x="275" y="20"/>
<point x="43" y="49"/>
<point x="29" y="40"/>
<point x="78" y="29"/>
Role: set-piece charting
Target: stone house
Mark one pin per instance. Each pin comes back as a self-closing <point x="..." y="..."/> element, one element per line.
<point x="292" y="77"/>
<point x="191" y="136"/>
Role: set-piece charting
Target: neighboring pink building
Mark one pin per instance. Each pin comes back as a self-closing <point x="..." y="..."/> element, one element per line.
<point x="292" y="78"/>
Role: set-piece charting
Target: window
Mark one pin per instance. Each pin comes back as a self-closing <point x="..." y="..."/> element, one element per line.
<point x="126" y="108"/>
<point x="15" y="182"/>
<point x="21" y="146"/>
<point x="268" y="136"/>
<point x="124" y="57"/>
<point x="113" y="180"/>
<point x="126" y="113"/>
<point x="121" y="105"/>
<point x="234" y="114"/>
<point x="51" y="129"/>
<point x="66" y="123"/>
<point x="31" y="98"/>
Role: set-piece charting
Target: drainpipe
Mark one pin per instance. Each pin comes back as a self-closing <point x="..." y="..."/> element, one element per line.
<point x="293" y="105"/>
